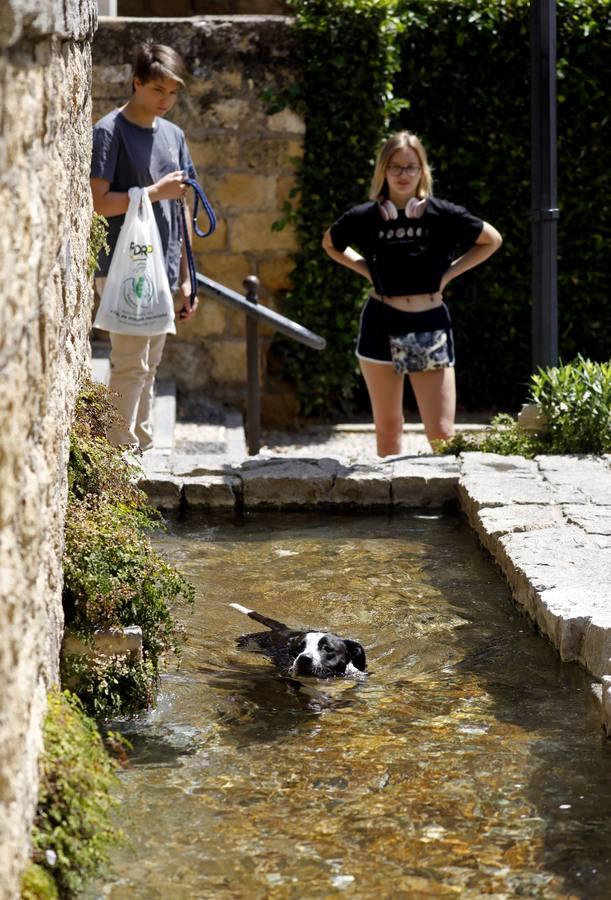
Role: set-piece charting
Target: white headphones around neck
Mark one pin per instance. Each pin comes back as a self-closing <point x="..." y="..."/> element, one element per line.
<point x="414" y="208"/>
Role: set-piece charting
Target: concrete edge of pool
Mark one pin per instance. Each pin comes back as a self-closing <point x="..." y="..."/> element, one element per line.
<point x="546" y="523"/>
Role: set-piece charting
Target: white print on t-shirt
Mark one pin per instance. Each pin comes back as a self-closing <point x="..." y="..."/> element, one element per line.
<point x="414" y="240"/>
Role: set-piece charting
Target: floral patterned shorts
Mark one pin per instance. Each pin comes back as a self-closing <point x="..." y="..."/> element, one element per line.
<point x="421" y="340"/>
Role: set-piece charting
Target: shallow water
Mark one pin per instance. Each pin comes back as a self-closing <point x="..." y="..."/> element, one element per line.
<point x="470" y="763"/>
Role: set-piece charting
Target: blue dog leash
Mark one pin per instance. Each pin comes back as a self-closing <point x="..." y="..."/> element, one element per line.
<point x="199" y="197"/>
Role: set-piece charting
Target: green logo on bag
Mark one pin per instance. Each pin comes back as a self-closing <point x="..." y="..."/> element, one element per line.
<point x="138" y="291"/>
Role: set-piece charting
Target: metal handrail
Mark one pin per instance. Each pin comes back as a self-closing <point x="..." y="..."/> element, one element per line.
<point x="255" y="310"/>
<point x="254" y="313"/>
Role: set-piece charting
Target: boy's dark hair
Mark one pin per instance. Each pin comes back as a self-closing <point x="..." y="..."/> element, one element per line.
<point x="158" y="61"/>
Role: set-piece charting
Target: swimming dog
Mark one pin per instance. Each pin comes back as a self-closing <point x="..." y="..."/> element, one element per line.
<point x="319" y="654"/>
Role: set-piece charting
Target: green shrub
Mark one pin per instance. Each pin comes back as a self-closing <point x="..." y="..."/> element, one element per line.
<point x="576" y="400"/>
<point x="112" y="575"/>
<point x="457" y="73"/>
<point x="72" y="829"/>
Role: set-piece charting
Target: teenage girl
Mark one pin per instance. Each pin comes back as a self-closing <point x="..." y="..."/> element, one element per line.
<point x="411" y="245"/>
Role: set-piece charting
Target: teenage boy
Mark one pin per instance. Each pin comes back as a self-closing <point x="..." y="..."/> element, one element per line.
<point x="134" y="146"/>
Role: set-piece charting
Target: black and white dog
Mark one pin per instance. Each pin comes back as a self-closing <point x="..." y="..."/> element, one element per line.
<point x="315" y="653"/>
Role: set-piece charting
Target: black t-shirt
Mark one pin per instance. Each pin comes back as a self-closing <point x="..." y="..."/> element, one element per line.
<point x="407" y="256"/>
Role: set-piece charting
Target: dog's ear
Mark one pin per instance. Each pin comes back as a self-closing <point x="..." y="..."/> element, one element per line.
<point x="356" y="655"/>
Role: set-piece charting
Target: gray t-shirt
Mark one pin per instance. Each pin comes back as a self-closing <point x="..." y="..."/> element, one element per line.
<point x="129" y="156"/>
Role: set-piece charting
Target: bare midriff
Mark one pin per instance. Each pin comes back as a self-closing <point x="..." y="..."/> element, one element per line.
<point x="413" y="302"/>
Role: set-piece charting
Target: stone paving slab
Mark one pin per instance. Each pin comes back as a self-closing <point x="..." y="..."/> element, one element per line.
<point x="546" y="522"/>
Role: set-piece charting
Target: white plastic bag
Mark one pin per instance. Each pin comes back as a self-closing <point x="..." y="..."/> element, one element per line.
<point x="137" y="297"/>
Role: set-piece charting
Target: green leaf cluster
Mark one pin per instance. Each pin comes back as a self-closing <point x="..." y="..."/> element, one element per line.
<point x="72" y="829"/>
<point x="575" y="401"/>
<point x="97" y="242"/>
<point x="112" y="575"/>
<point x="456" y="72"/>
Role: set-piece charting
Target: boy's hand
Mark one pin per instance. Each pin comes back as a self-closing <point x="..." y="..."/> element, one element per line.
<point x="186" y="310"/>
<point x="170" y="187"/>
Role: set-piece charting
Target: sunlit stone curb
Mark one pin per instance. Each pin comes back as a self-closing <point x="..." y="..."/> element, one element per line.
<point x="426" y="481"/>
<point x="212" y="491"/>
<point x="164" y="493"/>
<point x="555" y="553"/>
<point x="295" y="482"/>
<point x="491" y="480"/>
<point x="361" y="486"/>
<point x="587" y="477"/>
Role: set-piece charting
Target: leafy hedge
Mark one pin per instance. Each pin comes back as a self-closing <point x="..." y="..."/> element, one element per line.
<point x="462" y="68"/>
<point x="347" y="54"/>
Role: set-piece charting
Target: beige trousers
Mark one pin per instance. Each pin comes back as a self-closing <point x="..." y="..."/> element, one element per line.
<point x="134" y="360"/>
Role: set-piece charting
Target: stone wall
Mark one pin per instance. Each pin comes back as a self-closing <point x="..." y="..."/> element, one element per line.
<point x="245" y="161"/>
<point x="164" y="8"/>
<point x="45" y="303"/>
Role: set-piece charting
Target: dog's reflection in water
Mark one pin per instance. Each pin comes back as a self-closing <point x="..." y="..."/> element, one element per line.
<point x="262" y="704"/>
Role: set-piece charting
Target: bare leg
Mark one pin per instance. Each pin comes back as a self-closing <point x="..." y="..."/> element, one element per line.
<point x="435" y="394"/>
<point x="385" y="389"/>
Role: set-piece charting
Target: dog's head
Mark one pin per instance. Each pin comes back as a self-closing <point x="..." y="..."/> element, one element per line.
<point x="323" y="655"/>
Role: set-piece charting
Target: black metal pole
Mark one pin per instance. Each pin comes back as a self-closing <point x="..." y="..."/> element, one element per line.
<point x="253" y="416"/>
<point x="544" y="185"/>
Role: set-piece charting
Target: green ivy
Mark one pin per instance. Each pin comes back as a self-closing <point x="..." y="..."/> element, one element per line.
<point x="112" y="575"/>
<point x="97" y="242"/>
<point x="73" y="828"/>
<point x="457" y="73"/>
<point x="347" y="53"/>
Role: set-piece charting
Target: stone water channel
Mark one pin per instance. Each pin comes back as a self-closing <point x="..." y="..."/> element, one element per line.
<point x="470" y="763"/>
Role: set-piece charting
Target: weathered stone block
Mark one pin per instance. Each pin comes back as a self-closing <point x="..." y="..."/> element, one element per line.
<point x="212" y="491"/>
<point x="277" y="483"/>
<point x="286" y="121"/>
<point x="216" y="241"/>
<point x="230" y="114"/>
<point x="210" y="319"/>
<point x="424" y="481"/>
<point x="253" y="231"/>
<point x="588" y="477"/>
<point x="163" y="492"/>
<point x="275" y="273"/>
<point x="227" y="361"/>
<point x="361" y="486"/>
<point x="270" y="155"/>
<point x="112" y="81"/>
<point x="236" y="191"/>
<point x="229" y="269"/>
<point x="218" y="151"/>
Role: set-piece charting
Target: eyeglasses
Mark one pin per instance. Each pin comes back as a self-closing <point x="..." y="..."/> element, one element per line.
<point x="399" y="170"/>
